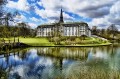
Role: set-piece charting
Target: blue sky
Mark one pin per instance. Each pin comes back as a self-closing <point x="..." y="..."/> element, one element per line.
<point x="101" y="13"/>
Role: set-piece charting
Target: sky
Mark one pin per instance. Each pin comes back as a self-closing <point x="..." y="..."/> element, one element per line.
<point x="101" y="13"/>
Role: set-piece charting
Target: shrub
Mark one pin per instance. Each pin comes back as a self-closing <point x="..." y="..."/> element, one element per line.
<point x="83" y="37"/>
<point x="77" y="40"/>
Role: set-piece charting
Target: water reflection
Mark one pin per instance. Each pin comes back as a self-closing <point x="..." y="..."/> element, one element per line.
<point x="61" y="63"/>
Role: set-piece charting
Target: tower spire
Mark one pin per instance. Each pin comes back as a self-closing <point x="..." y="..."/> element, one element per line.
<point x="61" y="16"/>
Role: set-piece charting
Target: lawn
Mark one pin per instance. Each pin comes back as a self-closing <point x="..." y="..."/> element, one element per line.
<point x="36" y="41"/>
<point x="30" y="41"/>
<point x="44" y="42"/>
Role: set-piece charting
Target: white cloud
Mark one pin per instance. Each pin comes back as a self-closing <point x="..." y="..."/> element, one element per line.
<point x="100" y="22"/>
<point x="20" y="5"/>
<point x="112" y="18"/>
<point x="32" y="25"/>
<point x="17" y="19"/>
<point x="86" y="8"/>
<point x="51" y="14"/>
<point x="115" y="8"/>
<point x="97" y="10"/>
<point x="102" y="12"/>
<point x="20" y="18"/>
<point x="50" y="4"/>
<point x="39" y="3"/>
<point x="35" y="19"/>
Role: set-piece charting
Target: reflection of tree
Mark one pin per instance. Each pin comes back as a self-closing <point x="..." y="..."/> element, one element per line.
<point x="6" y="55"/>
<point x="23" y="54"/>
<point x="57" y="67"/>
<point x="94" y="51"/>
<point x="56" y="51"/>
<point x="58" y="62"/>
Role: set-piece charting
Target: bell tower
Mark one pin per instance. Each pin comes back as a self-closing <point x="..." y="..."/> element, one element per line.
<point x="61" y="16"/>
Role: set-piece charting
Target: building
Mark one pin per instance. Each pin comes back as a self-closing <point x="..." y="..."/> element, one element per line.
<point x="63" y="29"/>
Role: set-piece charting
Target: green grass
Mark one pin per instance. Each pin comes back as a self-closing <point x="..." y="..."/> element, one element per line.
<point x="36" y="41"/>
<point x="31" y="41"/>
<point x="44" y="42"/>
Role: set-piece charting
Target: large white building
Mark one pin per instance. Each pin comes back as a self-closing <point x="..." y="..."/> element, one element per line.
<point x="63" y="29"/>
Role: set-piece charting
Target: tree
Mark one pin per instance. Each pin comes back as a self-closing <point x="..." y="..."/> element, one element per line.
<point x="25" y="30"/>
<point x="6" y="19"/>
<point x="23" y="27"/>
<point x="83" y="37"/>
<point x="5" y="32"/>
<point x="102" y="32"/>
<point x="56" y="34"/>
<point x="112" y="29"/>
<point x="56" y="40"/>
<point x="2" y="2"/>
<point x="94" y="30"/>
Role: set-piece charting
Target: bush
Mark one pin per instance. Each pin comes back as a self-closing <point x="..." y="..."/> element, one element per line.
<point x="83" y="37"/>
<point x="50" y="39"/>
<point x="72" y="38"/>
<point x="64" y="38"/>
<point x="77" y="40"/>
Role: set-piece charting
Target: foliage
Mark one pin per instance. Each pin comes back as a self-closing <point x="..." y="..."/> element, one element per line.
<point x="111" y="33"/>
<point x="77" y="40"/>
<point x="94" y="30"/>
<point x="83" y="37"/>
<point x="56" y="40"/>
<point x="15" y="31"/>
<point x="112" y="29"/>
<point x="72" y="38"/>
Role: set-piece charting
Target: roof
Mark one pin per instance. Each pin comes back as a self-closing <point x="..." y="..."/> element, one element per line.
<point x="74" y="23"/>
<point x="46" y="25"/>
<point x="66" y="23"/>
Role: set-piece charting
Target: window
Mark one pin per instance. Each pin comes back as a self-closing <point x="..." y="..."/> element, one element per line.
<point x="65" y="32"/>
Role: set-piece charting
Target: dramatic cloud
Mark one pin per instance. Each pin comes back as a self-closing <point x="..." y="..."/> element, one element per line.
<point x="51" y="14"/>
<point x="114" y="16"/>
<point x="101" y="13"/>
<point x="86" y="8"/>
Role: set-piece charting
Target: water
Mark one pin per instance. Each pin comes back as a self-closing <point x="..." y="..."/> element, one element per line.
<point x="62" y="63"/>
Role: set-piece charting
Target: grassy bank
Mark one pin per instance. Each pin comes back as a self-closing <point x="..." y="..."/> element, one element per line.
<point x="45" y="42"/>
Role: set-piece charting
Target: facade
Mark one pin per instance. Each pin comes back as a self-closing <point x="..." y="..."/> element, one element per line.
<point x="64" y="29"/>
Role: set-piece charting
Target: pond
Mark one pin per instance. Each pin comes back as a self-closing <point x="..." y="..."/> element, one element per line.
<point x="62" y="63"/>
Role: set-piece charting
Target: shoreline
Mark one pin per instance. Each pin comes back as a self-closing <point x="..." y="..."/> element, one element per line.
<point x="22" y="45"/>
<point x="87" y="45"/>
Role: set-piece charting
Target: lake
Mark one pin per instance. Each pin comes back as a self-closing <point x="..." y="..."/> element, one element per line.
<point x="62" y="63"/>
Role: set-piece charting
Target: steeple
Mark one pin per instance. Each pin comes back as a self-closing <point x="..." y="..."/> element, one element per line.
<point x="61" y="16"/>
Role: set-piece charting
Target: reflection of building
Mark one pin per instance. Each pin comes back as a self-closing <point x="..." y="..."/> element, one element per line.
<point x="67" y="53"/>
<point x="65" y="29"/>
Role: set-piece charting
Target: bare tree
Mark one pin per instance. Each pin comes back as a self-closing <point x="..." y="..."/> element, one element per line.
<point x="112" y="29"/>
<point x="94" y="30"/>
